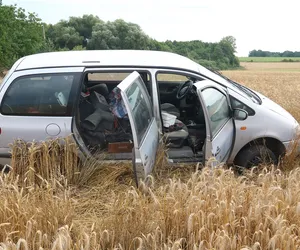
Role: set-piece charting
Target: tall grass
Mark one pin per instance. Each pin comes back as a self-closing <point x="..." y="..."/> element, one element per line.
<point x="182" y="208"/>
<point x="50" y="160"/>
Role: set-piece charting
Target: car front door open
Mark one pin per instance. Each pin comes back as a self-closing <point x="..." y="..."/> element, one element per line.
<point x="219" y="121"/>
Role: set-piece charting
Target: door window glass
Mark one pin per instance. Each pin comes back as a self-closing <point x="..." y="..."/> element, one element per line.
<point x="217" y="107"/>
<point x="44" y="95"/>
<point x="141" y="111"/>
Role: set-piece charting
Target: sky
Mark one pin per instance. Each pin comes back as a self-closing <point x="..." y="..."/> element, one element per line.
<point x="256" y="24"/>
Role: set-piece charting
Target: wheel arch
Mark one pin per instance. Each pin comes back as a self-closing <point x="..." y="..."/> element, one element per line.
<point x="275" y="145"/>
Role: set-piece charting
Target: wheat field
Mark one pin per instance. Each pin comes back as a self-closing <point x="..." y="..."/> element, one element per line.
<point x="51" y="201"/>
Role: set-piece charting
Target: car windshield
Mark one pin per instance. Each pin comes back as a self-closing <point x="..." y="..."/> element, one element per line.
<point x="252" y="95"/>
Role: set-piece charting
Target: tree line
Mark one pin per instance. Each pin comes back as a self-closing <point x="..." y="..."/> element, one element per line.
<point x="262" y="53"/>
<point x="24" y="33"/>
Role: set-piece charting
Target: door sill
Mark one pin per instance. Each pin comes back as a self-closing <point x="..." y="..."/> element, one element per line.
<point x="186" y="160"/>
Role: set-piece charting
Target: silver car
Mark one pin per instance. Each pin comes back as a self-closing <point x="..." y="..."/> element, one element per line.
<point x="121" y="103"/>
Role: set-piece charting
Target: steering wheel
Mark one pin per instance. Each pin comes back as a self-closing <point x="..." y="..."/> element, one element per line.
<point x="184" y="89"/>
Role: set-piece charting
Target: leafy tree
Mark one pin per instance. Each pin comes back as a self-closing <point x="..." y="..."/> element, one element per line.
<point x="118" y="35"/>
<point x="261" y="53"/>
<point x="84" y="25"/>
<point x="73" y="32"/>
<point x="78" y="47"/>
<point x="213" y="55"/>
<point x="230" y="40"/>
<point x="64" y="36"/>
<point x="20" y="34"/>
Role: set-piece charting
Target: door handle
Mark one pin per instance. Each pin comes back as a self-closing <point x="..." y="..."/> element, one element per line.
<point x="218" y="150"/>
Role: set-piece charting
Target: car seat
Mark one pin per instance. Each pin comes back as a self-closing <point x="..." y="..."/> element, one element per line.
<point x="101" y="89"/>
<point x="176" y="138"/>
<point x="170" y="108"/>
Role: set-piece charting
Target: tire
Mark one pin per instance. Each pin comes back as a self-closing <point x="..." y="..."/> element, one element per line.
<point x="254" y="156"/>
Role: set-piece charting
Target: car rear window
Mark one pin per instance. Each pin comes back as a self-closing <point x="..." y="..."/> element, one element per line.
<point x="47" y="95"/>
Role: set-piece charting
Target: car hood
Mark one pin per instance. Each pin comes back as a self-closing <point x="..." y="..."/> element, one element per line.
<point x="273" y="106"/>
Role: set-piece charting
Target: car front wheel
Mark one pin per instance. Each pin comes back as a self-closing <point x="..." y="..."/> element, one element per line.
<point x="255" y="156"/>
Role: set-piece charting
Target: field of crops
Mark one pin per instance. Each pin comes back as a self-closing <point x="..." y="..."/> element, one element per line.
<point x="98" y="207"/>
<point x="269" y="59"/>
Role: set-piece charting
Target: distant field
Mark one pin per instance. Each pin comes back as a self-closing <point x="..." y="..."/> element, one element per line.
<point x="271" y="66"/>
<point x="268" y="59"/>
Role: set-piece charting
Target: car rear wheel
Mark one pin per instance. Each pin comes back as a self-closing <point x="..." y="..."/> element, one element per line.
<point x="254" y="156"/>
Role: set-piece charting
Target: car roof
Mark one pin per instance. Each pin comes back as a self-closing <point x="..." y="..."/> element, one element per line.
<point x="114" y="58"/>
<point x="107" y="58"/>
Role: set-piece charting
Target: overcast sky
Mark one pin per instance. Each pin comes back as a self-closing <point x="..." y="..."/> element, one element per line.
<point x="256" y="24"/>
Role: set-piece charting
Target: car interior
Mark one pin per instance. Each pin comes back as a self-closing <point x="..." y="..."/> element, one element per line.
<point x="178" y="97"/>
<point x="109" y="133"/>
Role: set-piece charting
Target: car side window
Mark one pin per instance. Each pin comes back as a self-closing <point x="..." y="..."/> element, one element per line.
<point x="171" y="77"/>
<point x="44" y="95"/>
<point x="141" y="112"/>
<point x="217" y="107"/>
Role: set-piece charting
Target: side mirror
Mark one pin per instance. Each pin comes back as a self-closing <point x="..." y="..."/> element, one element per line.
<point x="240" y="114"/>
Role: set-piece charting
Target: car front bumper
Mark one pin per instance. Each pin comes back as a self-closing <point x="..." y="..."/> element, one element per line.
<point x="292" y="147"/>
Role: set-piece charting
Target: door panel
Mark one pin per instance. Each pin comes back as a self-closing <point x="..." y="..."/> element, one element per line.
<point x="143" y="123"/>
<point x="222" y="142"/>
<point x="37" y="105"/>
<point x="219" y="122"/>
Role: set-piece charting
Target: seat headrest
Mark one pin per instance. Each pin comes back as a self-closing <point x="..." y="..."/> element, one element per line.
<point x="101" y="89"/>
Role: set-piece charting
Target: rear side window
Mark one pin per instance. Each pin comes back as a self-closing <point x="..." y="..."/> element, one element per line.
<point x="44" y="95"/>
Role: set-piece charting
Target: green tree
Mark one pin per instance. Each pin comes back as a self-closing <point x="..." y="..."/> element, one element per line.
<point x="84" y="25"/>
<point x="21" y="34"/>
<point x="118" y="35"/>
<point x="64" y="36"/>
<point x="230" y="40"/>
<point x="73" y="32"/>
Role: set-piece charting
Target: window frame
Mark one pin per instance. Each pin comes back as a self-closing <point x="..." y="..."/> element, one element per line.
<point x="72" y="95"/>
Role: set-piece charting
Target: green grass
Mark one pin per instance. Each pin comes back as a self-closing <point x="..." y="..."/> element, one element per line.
<point x="268" y="59"/>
